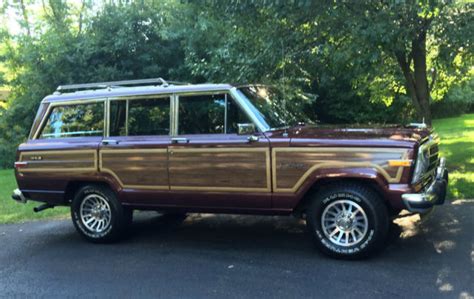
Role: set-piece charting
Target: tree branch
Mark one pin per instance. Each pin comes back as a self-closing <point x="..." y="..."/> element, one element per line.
<point x="25" y="17"/>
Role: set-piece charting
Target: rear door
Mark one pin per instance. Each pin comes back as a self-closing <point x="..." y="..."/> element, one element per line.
<point x="210" y="164"/>
<point x="134" y="153"/>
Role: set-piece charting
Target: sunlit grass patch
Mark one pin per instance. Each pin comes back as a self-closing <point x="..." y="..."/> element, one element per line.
<point x="457" y="145"/>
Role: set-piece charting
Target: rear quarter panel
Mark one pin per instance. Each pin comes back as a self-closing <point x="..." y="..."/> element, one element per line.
<point x="52" y="164"/>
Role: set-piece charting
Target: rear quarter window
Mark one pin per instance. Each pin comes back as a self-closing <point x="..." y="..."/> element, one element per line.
<point x="78" y="120"/>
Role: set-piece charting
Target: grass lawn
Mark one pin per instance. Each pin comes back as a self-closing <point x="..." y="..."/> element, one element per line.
<point x="457" y="145"/>
<point x="11" y="211"/>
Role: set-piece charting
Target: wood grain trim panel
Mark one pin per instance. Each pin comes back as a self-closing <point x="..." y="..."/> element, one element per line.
<point x="126" y="151"/>
<point x="334" y="164"/>
<point x="266" y="150"/>
<point x="93" y="160"/>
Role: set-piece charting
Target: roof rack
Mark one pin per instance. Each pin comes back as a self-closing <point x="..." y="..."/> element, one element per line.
<point x="111" y="84"/>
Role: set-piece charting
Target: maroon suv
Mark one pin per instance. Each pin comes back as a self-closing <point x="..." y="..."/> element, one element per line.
<point x="106" y="149"/>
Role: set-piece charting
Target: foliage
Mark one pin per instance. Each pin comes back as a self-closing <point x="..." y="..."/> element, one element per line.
<point x="459" y="99"/>
<point x="339" y="62"/>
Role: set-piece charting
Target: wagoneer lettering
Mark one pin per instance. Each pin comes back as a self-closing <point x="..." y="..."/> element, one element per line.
<point x="109" y="148"/>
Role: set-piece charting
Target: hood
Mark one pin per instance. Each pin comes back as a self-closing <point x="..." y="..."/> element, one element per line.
<point x="376" y="136"/>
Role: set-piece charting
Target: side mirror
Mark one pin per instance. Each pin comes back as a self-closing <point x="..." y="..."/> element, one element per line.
<point x="246" y="129"/>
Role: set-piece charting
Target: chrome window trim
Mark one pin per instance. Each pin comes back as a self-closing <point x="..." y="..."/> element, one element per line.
<point x="225" y="113"/>
<point x="245" y="105"/>
<point x="107" y="117"/>
<point x="65" y="103"/>
<point x="127" y="104"/>
<point x="174" y="115"/>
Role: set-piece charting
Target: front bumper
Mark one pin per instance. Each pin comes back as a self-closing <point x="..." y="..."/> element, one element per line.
<point x="19" y="196"/>
<point x="434" y="194"/>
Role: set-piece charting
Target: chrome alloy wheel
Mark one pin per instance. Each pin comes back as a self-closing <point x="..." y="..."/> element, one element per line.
<point x="344" y="223"/>
<point x="95" y="213"/>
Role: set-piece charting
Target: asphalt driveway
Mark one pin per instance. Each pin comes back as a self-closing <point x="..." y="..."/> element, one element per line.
<point x="236" y="257"/>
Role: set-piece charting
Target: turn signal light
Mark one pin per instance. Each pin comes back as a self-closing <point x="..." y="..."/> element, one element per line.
<point x="399" y="163"/>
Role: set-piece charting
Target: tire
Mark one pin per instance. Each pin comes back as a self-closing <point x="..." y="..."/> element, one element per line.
<point x="348" y="221"/>
<point x="98" y="216"/>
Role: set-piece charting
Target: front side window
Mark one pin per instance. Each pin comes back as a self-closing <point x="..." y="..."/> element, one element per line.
<point x="202" y="114"/>
<point x="77" y="120"/>
<point x="209" y="114"/>
<point x="145" y="117"/>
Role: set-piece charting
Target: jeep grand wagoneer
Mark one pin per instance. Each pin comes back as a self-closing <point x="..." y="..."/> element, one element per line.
<point x="106" y="149"/>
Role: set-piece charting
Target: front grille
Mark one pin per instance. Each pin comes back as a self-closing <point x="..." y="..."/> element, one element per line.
<point x="432" y="153"/>
<point x="433" y="156"/>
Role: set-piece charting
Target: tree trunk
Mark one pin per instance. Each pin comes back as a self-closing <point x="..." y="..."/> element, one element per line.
<point x="421" y="78"/>
<point x="416" y="80"/>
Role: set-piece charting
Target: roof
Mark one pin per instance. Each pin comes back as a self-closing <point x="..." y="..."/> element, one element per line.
<point x="119" y="91"/>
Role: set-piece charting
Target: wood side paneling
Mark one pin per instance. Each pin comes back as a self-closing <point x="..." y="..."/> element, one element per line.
<point x="233" y="169"/>
<point x="59" y="161"/>
<point x="137" y="168"/>
<point x="292" y="166"/>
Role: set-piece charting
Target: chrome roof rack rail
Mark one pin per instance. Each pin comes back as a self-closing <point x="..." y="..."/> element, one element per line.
<point x="112" y="84"/>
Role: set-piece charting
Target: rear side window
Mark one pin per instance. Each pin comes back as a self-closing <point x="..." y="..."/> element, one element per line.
<point x="149" y="117"/>
<point x="75" y="121"/>
<point x="145" y="117"/>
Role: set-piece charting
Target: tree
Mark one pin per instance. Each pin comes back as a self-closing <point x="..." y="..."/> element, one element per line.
<point x="407" y="33"/>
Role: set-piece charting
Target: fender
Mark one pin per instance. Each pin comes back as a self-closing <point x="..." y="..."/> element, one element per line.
<point x="326" y="175"/>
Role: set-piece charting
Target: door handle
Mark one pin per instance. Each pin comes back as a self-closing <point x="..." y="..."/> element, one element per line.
<point x="179" y="140"/>
<point x="109" y="141"/>
<point x="253" y="138"/>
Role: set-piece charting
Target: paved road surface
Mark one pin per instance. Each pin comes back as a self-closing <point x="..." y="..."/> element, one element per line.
<point x="211" y="256"/>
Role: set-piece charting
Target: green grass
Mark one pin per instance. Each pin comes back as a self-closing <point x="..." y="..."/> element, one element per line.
<point x="11" y="211"/>
<point x="457" y="145"/>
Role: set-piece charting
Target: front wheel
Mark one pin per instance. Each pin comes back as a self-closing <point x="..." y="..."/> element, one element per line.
<point x="348" y="221"/>
<point x="97" y="214"/>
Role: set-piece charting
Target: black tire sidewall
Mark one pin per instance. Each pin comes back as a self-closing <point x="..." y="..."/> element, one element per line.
<point x="116" y="211"/>
<point x="362" y="248"/>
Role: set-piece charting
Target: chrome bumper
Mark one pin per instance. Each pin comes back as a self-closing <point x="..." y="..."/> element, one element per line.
<point x="435" y="194"/>
<point x="18" y="196"/>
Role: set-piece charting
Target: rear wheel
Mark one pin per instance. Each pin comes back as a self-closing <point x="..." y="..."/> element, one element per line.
<point x="348" y="221"/>
<point x="97" y="214"/>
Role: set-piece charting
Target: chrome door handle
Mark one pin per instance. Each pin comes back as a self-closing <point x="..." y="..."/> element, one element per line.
<point x="109" y="141"/>
<point x="179" y="140"/>
<point x="253" y="138"/>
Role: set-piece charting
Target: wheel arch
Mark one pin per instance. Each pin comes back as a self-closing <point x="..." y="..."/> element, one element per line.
<point x="73" y="186"/>
<point x="374" y="184"/>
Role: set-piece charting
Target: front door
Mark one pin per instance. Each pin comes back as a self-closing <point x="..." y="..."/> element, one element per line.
<point x="135" y="152"/>
<point x="210" y="164"/>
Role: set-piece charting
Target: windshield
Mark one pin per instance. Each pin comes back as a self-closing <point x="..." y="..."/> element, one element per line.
<point x="268" y="105"/>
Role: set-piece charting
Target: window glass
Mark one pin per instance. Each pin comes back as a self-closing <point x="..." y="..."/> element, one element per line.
<point x="149" y="117"/>
<point x="235" y="116"/>
<point x="75" y="121"/>
<point x="201" y="114"/>
<point x="118" y="110"/>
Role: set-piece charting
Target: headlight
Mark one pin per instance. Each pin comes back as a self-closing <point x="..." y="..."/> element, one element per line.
<point x="422" y="164"/>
